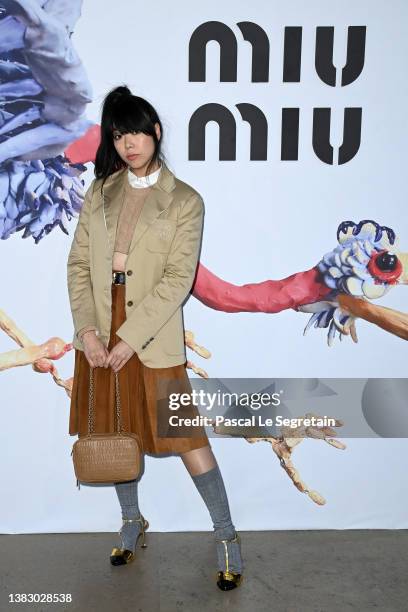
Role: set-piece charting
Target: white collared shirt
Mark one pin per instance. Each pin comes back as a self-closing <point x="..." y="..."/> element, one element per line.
<point x="143" y="181"/>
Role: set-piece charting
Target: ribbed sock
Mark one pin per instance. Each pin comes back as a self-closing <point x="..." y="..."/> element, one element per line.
<point x="128" y="499"/>
<point x="211" y="487"/>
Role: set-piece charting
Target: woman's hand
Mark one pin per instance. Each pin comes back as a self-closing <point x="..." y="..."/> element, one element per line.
<point x="119" y="355"/>
<point x="94" y="349"/>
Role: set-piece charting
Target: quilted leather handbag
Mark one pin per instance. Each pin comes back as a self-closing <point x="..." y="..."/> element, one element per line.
<point x="106" y="457"/>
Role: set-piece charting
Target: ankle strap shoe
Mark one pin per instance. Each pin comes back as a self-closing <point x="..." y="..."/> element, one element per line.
<point x="227" y="579"/>
<point x="123" y="556"/>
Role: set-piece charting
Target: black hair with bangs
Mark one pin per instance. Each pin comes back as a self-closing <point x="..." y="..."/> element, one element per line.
<point x="123" y="111"/>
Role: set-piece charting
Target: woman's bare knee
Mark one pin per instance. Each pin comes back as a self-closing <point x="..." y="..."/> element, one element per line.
<point x="199" y="460"/>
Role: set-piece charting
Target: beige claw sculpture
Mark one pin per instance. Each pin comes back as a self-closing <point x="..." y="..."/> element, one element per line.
<point x="40" y="356"/>
<point x="200" y="350"/>
<point x="291" y="437"/>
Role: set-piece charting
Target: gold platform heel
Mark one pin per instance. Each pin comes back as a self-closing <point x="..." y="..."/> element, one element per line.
<point x="123" y="556"/>
<point x="228" y="580"/>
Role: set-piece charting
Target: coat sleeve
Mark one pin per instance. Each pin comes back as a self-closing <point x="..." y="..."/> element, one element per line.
<point x="149" y="316"/>
<point x="78" y="270"/>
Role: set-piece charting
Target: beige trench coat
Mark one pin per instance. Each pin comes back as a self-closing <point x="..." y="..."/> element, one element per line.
<point x="160" y="267"/>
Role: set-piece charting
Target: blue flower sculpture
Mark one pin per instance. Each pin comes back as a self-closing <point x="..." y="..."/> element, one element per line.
<point x="44" y="91"/>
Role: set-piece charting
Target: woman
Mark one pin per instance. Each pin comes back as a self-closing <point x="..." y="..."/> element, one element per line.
<point x="131" y="266"/>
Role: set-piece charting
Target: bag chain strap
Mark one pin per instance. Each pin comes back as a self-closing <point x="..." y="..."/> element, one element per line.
<point x="91" y="416"/>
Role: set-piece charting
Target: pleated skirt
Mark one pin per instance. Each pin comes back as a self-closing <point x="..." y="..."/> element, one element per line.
<point x="144" y="398"/>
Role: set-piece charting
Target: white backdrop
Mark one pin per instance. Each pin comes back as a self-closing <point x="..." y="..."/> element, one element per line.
<point x="264" y="219"/>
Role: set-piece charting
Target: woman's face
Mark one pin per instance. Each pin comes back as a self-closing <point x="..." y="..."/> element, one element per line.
<point x="135" y="148"/>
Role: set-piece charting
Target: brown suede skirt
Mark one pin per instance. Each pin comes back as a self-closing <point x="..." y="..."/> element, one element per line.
<point x="144" y="397"/>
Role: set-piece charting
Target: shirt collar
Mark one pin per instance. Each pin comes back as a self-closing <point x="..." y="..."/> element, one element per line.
<point x="143" y="181"/>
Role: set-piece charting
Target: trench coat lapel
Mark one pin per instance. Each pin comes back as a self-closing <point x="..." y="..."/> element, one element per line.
<point x="156" y="202"/>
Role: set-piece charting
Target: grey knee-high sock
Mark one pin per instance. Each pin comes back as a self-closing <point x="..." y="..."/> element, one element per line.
<point x="211" y="487"/>
<point x="128" y="499"/>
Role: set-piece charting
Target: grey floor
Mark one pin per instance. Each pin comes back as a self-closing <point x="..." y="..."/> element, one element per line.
<point x="285" y="571"/>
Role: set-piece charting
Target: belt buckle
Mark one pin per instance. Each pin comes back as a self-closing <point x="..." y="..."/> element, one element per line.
<point x="118" y="278"/>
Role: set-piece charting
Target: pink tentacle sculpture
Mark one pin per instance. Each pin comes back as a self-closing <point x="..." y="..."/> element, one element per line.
<point x="266" y="296"/>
